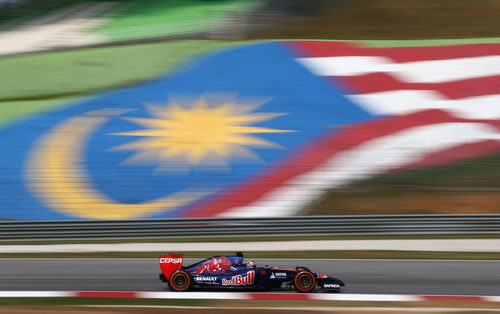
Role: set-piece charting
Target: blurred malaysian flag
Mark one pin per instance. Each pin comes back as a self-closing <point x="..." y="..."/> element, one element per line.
<point x="259" y="129"/>
<point x="435" y="105"/>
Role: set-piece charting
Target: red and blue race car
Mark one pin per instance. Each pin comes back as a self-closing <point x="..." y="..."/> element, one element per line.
<point x="233" y="272"/>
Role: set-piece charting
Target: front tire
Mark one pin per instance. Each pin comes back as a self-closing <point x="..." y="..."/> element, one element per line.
<point x="304" y="281"/>
<point x="180" y="281"/>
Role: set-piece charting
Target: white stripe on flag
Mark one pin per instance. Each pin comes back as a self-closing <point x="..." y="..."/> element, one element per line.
<point x="401" y="102"/>
<point x="366" y="160"/>
<point x="346" y="66"/>
<point x="435" y="71"/>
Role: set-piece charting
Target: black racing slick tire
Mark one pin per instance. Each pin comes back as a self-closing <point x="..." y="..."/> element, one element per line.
<point x="180" y="281"/>
<point x="304" y="281"/>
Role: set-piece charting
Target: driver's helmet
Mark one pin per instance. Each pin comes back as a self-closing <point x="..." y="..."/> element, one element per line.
<point x="251" y="264"/>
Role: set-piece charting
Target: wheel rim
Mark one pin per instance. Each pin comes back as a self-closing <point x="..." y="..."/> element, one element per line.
<point x="180" y="281"/>
<point x="305" y="282"/>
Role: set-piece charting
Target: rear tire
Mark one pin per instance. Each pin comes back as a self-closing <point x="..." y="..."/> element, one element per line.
<point x="304" y="281"/>
<point x="180" y="281"/>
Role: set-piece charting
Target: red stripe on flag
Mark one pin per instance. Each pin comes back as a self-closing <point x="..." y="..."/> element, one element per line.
<point x="102" y="294"/>
<point x="397" y="54"/>
<point x="279" y="296"/>
<point x="315" y="155"/>
<point x="381" y="82"/>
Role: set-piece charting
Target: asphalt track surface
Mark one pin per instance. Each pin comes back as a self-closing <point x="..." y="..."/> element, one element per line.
<point x="425" y="277"/>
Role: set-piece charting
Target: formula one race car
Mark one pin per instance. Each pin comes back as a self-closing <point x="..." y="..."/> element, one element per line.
<point x="232" y="272"/>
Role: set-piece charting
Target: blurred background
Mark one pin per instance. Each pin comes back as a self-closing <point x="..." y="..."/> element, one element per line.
<point x="359" y="129"/>
<point x="202" y="108"/>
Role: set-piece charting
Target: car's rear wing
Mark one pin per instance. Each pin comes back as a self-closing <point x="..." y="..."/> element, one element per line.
<point x="170" y="263"/>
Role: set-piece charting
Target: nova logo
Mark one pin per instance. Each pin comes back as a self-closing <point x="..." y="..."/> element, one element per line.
<point x="240" y="280"/>
<point x="169" y="260"/>
<point x="279" y="275"/>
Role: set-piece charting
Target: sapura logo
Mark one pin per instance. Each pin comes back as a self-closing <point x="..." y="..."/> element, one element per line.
<point x="331" y="285"/>
<point x="169" y="260"/>
<point x="240" y="280"/>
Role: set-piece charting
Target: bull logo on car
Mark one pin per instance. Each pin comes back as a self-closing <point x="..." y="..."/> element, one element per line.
<point x="240" y="280"/>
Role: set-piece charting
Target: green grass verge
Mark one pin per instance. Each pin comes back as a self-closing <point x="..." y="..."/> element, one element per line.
<point x="169" y="17"/>
<point x="325" y="254"/>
